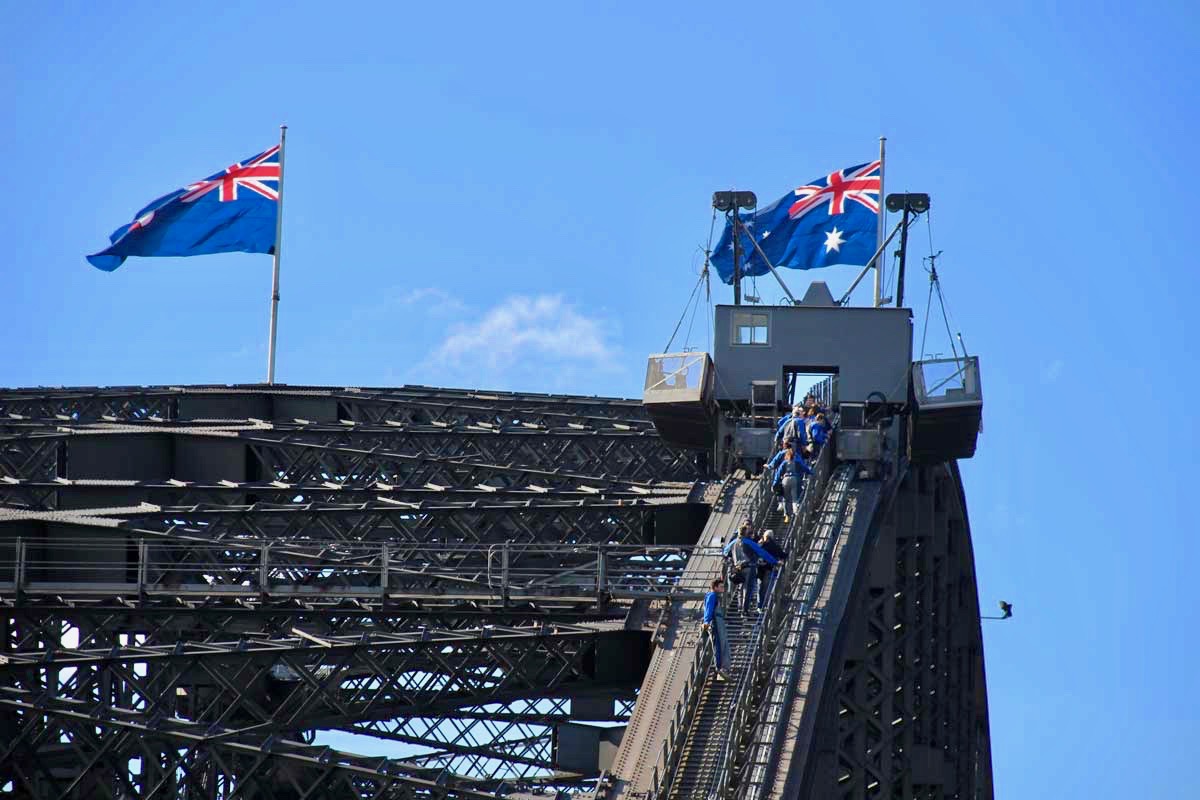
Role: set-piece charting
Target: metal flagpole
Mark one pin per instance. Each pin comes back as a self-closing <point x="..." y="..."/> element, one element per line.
<point x="878" y="252"/>
<point x="275" y="276"/>
<point x="881" y="225"/>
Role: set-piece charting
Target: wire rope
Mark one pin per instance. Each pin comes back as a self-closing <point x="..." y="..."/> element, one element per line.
<point x="686" y="306"/>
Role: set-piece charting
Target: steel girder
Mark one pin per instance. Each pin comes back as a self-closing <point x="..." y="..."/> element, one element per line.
<point x="516" y="743"/>
<point x="430" y="523"/>
<point x="625" y="455"/>
<point x="433" y="544"/>
<point x="406" y="466"/>
<point x="111" y="758"/>
<point x="37" y="623"/>
<point x="280" y="570"/>
<point x="63" y="493"/>
<point x="406" y="404"/>
<point x="909" y="715"/>
<point x="402" y="458"/>
<point x="248" y="690"/>
<point x="31" y="456"/>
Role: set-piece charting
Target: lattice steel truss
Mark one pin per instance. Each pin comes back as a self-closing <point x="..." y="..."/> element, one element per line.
<point x="909" y="716"/>
<point x="112" y="685"/>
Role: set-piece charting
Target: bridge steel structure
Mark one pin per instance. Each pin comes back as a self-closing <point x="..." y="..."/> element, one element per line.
<point x="238" y="591"/>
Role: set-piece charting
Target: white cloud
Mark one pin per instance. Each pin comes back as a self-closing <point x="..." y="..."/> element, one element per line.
<point x="540" y="335"/>
<point x="432" y="300"/>
<point x="1051" y="371"/>
<point x="397" y="302"/>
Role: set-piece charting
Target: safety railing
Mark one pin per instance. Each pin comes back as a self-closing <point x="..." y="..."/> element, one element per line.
<point x="825" y="391"/>
<point x="767" y="731"/>
<point x="667" y="764"/>
<point x="81" y="567"/>
<point x="682" y="715"/>
<point x="750" y="683"/>
<point x="684" y="710"/>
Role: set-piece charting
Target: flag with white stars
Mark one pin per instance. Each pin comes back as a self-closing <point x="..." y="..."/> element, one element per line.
<point x="829" y="221"/>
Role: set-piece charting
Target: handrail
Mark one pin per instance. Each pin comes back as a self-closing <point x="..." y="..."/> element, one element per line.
<point x="810" y="585"/>
<point x="684" y="711"/>
<point x="389" y="569"/>
<point x="771" y="619"/>
<point x="748" y="696"/>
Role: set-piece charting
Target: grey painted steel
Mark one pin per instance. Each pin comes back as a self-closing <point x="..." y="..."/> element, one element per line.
<point x="713" y="757"/>
<point x="784" y="732"/>
<point x="279" y="570"/>
<point x="948" y="414"/>
<point x="404" y="403"/>
<point x="869" y="348"/>
<point x="328" y="504"/>
<point x="422" y="469"/>
<point x="403" y="455"/>
<point x="878" y="681"/>
<point x="679" y="664"/>
<point x="910" y="675"/>
<point x="63" y="493"/>
<point x="876" y="678"/>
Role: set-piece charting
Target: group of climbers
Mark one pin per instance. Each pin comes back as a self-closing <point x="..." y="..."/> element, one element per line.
<point x="754" y="563"/>
<point x="799" y="436"/>
<point x="805" y="429"/>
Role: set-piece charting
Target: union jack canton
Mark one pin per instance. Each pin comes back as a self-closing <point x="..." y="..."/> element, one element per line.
<point x="830" y="221"/>
<point x="234" y="210"/>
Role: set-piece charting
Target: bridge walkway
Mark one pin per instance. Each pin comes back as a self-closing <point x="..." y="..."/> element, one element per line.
<point x="802" y="673"/>
<point x="710" y="729"/>
<point x="679" y="666"/>
<point x="749" y="739"/>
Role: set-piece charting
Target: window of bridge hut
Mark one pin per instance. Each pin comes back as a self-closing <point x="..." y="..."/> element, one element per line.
<point x="751" y="328"/>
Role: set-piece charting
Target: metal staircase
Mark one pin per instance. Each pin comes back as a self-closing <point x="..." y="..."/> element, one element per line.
<point x="705" y="747"/>
<point x="705" y="744"/>
<point x="721" y="731"/>
<point x="751" y="775"/>
<point x="725" y="710"/>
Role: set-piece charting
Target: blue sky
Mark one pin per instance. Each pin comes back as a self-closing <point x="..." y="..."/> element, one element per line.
<point x="515" y="196"/>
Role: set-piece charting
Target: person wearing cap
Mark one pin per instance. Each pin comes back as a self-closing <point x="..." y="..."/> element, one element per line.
<point x="814" y="405"/>
<point x="791" y="429"/>
<point x="766" y="572"/>
<point x="713" y="623"/>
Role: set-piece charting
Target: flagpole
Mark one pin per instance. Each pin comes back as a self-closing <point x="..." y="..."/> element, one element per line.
<point x="881" y="225"/>
<point x="275" y="275"/>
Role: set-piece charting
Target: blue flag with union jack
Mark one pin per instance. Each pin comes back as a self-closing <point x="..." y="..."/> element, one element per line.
<point x="232" y="211"/>
<point x="832" y="220"/>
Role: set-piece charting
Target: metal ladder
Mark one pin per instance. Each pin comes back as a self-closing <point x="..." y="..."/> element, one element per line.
<point x="706" y="737"/>
<point x="709" y="732"/>
<point x="761" y="754"/>
<point x="699" y="760"/>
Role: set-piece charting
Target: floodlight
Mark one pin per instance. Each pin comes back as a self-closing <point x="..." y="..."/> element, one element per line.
<point x="916" y="202"/>
<point x="728" y="201"/>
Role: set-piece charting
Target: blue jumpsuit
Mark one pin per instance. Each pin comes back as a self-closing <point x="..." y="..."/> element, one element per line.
<point x="714" y="617"/>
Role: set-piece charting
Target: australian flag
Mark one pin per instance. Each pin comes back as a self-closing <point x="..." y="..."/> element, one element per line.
<point x="832" y="220"/>
<point x="232" y="211"/>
